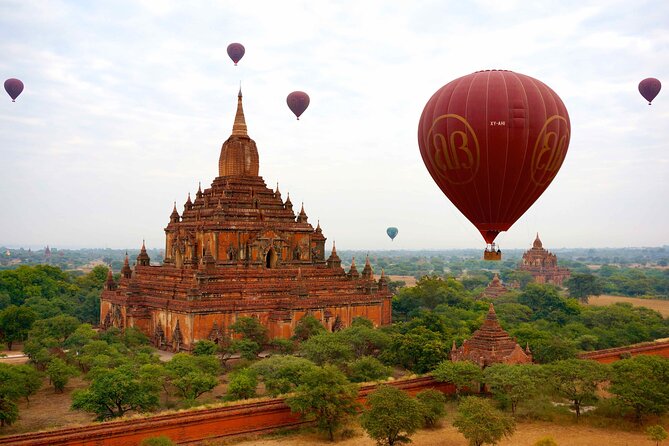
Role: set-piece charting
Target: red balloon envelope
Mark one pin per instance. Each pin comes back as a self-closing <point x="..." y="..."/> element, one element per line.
<point x="649" y="88"/>
<point x="13" y="87"/>
<point x="493" y="141"/>
<point x="298" y="101"/>
<point x="236" y="52"/>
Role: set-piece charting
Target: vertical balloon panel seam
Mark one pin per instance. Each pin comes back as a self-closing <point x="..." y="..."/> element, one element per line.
<point x="474" y="185"/>
<point x="507" y="215"/>
<point x="529" y="190"/>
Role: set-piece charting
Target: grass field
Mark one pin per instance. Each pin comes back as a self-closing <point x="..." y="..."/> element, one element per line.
<point x="655" y="304"/>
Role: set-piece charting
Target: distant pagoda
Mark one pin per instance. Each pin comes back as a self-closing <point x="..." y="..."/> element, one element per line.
<point x="543" y="265"/>
<point x="490" y="344"/>
<point x="238" y="249"/>
<point x="494" y="289"/>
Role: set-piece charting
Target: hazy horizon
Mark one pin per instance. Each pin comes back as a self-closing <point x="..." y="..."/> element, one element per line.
<point x="126" y="106"/>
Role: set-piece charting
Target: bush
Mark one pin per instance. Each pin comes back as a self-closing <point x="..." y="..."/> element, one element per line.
<point x="367" y="369"/>
<point x="545" y="441"/>
<point x="158" y="441"/>
<point x="242" y="384"/>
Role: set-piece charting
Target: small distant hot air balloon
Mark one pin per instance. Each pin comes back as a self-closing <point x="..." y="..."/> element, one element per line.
<point x="493" y="141"/>
<point x="236" y="52"/>
<point x="13" y="87"/>
<point x="649" y="88"/>
<point x="392" y="233"/>
<point x="298" y="101"/>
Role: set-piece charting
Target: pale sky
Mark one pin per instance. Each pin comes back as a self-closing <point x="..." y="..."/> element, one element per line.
<point x="126" y="105"/>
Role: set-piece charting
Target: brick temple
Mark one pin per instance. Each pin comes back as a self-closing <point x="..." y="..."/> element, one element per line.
<point x="238" y="249"/>
<point x="543" y="265"/>
<point x="490" y="344"/>
<point x="494" y="289"/>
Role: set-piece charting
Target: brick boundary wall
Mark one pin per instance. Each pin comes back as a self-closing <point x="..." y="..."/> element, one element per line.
<point x="609" y="355"/>
<point x="198" y="424"/>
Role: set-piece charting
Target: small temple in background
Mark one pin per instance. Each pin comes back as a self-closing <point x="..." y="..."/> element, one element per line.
<point x="239" y="249"/>
<point x="494" y="289"/>
<point x="490" y="344"/>
<point x="543" y="265"/>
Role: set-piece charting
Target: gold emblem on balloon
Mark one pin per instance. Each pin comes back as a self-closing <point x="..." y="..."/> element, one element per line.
<point x="453" y="151"/>
<point x="550" y="150"/>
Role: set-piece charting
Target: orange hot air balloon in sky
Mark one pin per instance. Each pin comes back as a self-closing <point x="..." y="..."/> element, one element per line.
<point x="493" y="141"/>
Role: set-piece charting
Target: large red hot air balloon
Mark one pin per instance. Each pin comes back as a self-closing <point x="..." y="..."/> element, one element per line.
<point x="493" y="141"/>
<point x="236" y="52"/>
<point x="13" y="87"/>
<point x="649" y="88"/>
<point x="298" y="101"/>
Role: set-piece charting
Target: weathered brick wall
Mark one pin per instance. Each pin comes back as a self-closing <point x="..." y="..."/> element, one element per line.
<point x="659" y="348"/>
<point x="196" y="425"/>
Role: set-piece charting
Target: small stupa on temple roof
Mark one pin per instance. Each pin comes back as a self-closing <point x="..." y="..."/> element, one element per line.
<point x="494" y="289"/>
<point x="543" y="265"/>
<point x="490" y="344"/>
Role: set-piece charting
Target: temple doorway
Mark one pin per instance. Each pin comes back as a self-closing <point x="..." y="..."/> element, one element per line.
<point x="270" y="258"/>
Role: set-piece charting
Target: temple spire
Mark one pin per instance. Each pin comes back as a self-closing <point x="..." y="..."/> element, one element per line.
<point x="239" y="127"/>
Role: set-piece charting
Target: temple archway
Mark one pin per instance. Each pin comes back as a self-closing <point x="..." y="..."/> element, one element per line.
<point x="271" y="258"/>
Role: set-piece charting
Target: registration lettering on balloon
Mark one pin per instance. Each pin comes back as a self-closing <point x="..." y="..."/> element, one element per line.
<point x="453" y="149"/>
<point x="550" y="150"/>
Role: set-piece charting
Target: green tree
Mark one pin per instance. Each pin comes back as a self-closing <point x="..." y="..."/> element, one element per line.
<point x="480" y="423"/>
<point x="11" y="389"/>
<point x="581" y="286"/>
<point x="30" y="378"/>
<point x="641" y="383"/>
<point x="15" y="324"/>
<point x="246" y="348"/>
<point x="366" y="369"/>
<point x="282" y="374"/>
<point x="546" y="303"/>
<point x="577" y="380"/>
<point x="59" y="373"/>
<point x="326" y="396"/>
<point x="9" y="412"/>
<point x="57" y="327"/>
<point x="433" y="406"/>
<point x="307" y="327"/>
<point x="114" y="392"/>
<point x="516" y="383"/>
<point x="327" y="348"/>
<point x="392" y="416"/>
<point x="242" y="384"/>
<point x="193" y="375"/>
<point x="463" y="374"/>
<point x="205" y="347"/>
<point x="657" y="434"/>
<point x="419" y="350"/>
<point x="250" y="328"/>
<point x="364" y="340"/>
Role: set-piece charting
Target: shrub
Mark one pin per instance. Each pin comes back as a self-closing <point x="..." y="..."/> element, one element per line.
<point x="158" y="441"/>
<point x="242" y="384"/>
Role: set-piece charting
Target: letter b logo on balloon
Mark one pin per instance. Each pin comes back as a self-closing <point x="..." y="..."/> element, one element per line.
<point x="453" y="149"/>
<point x="550" y="150"/>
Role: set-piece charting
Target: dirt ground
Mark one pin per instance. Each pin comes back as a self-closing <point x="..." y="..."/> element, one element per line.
<point x="526" y="435"/>
<point x="655" y="304"/>
<point x="48" y="409"/>
<point x="409" y="280"/>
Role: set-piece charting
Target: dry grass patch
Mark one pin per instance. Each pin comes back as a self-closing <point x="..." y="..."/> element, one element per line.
<point x="662" y="306"/>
